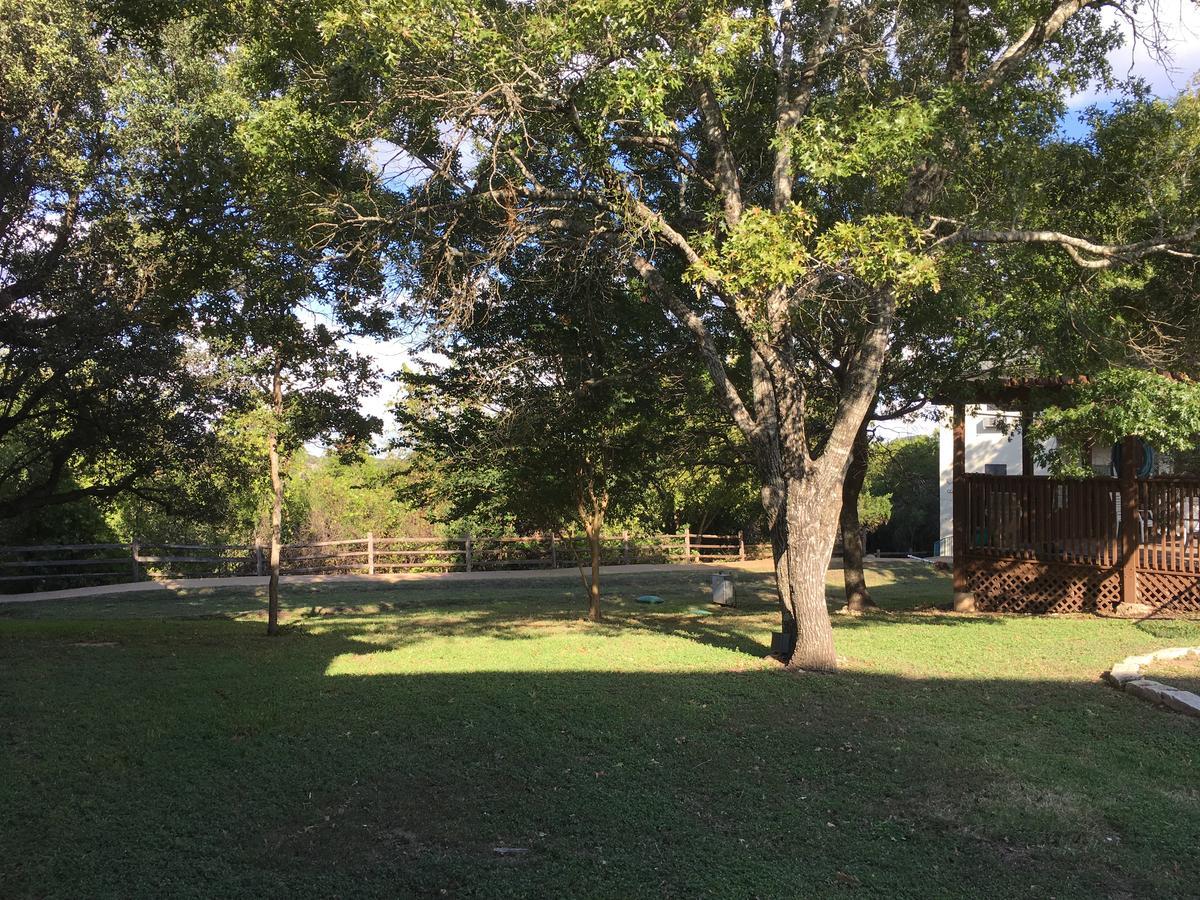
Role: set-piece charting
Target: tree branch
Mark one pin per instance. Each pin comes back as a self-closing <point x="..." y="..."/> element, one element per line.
<point x="1011" y="58"/>
<point x="726" y="166"/>
<point x="960" y="41"/>
<point x="1085" y="253"/>
<point x="790" y="108"/>
<point x="726" y="393"/>
<point x="860" y="385"/>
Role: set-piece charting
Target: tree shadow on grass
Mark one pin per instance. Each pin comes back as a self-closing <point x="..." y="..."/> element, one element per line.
<point x="215" y="760"/>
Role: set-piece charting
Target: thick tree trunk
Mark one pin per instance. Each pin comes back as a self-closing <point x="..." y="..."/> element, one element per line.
<point x="276" y="499"/>
<point x="858" y="598"/>
<point x="813" y="503"/>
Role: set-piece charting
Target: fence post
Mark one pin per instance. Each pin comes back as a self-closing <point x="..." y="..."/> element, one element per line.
<point x="258" y="558"/>
<point x="370" y="553"/>
<point x="687" y="543"/>
<point x="741" y="546"/>
<point x="625" y="548"/>
<point x="553" y="552"/>
<point x="467" y="546"/>
<point x="133" y="550"/>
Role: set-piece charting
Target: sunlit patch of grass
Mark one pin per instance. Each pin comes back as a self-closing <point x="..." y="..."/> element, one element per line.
<point x="562" y="649"/>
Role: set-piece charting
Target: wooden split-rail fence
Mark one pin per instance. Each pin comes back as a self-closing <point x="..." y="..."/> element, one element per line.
<point x="54" y="566"/>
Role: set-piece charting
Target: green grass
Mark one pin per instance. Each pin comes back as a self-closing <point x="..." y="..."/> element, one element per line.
<point x="150" y="747"/>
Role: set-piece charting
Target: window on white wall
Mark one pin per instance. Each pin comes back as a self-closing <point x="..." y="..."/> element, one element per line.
<point x="991" y="421"/>
<point x="995" y="469"/>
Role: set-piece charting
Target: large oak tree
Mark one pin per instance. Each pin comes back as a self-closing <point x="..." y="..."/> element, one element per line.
<point x="786" y="177"/>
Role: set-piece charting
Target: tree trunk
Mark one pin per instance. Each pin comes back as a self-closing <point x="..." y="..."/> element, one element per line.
<point x="858" y="598"/>
<point x="276" y="498"/>
<point x="593" y="533"/>
<point x="592" y="505"/>
<point x="774" y="498"/>
<point x="813" y="503"/>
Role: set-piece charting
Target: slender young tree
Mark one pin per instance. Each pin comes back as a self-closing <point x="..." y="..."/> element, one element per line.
<point x="555" y="406"/>
<point x="287" y="305"/>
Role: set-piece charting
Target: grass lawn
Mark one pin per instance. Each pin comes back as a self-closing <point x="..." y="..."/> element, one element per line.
<point x="158" y="745"/>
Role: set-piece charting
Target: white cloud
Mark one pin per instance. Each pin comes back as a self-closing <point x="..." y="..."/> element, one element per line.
<point x="1162" y="46"/>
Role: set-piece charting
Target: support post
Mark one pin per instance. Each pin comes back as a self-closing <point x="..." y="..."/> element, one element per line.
<point x="134" y="546"/>
<point x="467" y="547"/>
<point x="1027" y="466"/>
<point x="553" y="552"/>
<point x="625" y="548"/>
<point x="370" y="553"/>
<point x="687" y="543"/>
<point x="258" y="559"/>
<point x="741" y="546"/>
<point x="1129" y="539"/>
<point x="964" y="600"/>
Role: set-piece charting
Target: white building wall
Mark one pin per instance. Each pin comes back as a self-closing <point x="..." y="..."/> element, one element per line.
<point x="993" y="438"/>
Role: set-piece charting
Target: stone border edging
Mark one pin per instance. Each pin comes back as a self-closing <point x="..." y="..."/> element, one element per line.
<point x="1127" y="676"/>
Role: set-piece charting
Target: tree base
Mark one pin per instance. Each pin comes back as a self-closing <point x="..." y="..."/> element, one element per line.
<point x="815" y="668"/>
<point x="782" y="645"/>
<point x="858" y="609"/>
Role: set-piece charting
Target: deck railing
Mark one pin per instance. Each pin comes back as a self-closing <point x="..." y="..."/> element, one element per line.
<point x="1078" y="520"/>
<point x="1169" y="526"/>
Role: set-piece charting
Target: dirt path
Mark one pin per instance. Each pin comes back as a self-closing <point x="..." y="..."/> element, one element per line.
<point x="757" y="566"/>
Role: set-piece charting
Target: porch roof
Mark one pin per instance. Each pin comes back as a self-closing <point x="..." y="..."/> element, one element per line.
<point x="1024" y="392"/>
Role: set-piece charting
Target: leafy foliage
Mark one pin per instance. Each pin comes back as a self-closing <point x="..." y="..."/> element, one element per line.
<point x="97" y="389"/>
<point x="553" y="410"/>
<point x="906" y="472"/>
<point x="1116" y="403"/>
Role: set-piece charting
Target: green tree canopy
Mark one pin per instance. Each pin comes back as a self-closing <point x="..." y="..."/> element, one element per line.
<point x="793" y="176"/>
<point x="555" y="409"/>
<point x="99" y="388"/>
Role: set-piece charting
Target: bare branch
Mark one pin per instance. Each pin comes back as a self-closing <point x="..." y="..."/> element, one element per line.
<point x="726" y="393"/>
<point x="726" y="166"/>
<point x="665" y="145"/>
<point x="1086" y="253"/>
<point x="1012" y="57"/>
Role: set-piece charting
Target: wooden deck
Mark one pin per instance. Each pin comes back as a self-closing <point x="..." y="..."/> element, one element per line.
<point x="1037" y="544"/>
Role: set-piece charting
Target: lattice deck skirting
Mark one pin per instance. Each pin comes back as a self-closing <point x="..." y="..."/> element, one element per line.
<point x="1030" y="586"/>
<point x="1034" y="586"/>
<point x="1169" y="593"/>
